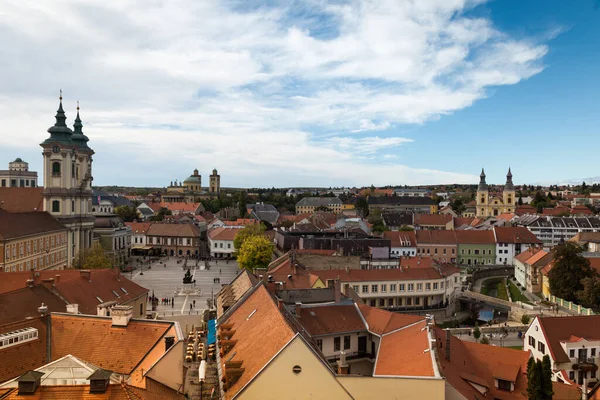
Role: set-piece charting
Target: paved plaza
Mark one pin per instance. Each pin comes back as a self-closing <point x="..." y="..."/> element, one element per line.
<point x="168" y="282"/>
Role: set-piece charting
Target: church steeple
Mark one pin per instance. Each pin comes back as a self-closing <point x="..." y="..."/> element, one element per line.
<point x="482" y="184"/>
<point x="78" y="137"/>
<point x="60" y="132"/>
<point x="509" y="183"/>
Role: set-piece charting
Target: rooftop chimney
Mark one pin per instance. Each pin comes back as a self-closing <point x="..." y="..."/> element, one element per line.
<point x="448" y="334"/>
<point x="43" y="309"/>
<point x="86" y="273"/>
<point x="29" y="382"/>
<point x="337" y="291"/>
<point x="73" y="308"/>
<point x="56" y="279"/>
<point x="298" y="307"/>
<point x="29" y="283"/>
<point x="121" y="315"/>
<point x="169" y="342"/>
<point x="342" y="365"/>
<point x="99" y="380"/>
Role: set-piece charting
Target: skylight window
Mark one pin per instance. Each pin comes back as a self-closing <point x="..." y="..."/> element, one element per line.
<point x="99" y="299"/>
<point x="124" y="291"/>
<point x="251" y="314"/>
<point x="115" y="293"/>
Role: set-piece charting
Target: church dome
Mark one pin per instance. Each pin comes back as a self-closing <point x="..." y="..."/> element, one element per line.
<point x="194" y="178"/>
<point x="18" y="159"/>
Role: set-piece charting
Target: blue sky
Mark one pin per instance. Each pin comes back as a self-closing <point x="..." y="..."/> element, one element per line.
<point x="309" y="93"/>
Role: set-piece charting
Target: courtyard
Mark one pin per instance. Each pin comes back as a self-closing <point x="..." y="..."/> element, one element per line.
<point x="164" y="279"/>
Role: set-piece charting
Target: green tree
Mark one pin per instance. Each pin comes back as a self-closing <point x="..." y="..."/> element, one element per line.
<point x="476" y="333"/>
<point x="458" y="206"/>
<point x="256" y="252"/>
<point x="525" y="319"/>
<point x="363" y="205"/>
<point x="589" y="295"/>
<point x="569" y="271"/>
<point x="242" y="201"/>
<point x="244" y="234"/>
<point x="406" y="228"/>
<point x="534" y="380"/>
<point x="520" y="201"/>
<point x="546" y="379"/>
<point x="160" y="215"/>
<point x="126" y="213"/>
<point x="92" y="258"/>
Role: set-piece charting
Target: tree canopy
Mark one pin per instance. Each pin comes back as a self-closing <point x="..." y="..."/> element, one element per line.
<point x="569" y="270"/>
<point x="256" y="252"/>
<point x="161" y="214"/>
<point x="92" y="258"/>
<point x="539" y="379"/>
<point x="126" y="213"/>
<point x="243" y="234"/>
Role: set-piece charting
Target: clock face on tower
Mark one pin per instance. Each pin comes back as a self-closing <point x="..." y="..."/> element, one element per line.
<point x="56" y="149"/>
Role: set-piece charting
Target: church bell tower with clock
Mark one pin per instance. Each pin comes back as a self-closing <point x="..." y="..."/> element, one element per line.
<point x="68" y="182"/>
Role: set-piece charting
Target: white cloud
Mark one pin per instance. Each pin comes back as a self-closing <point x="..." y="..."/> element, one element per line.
<point x="267" y="95"/>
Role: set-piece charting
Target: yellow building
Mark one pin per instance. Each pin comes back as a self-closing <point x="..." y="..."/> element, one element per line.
<point x="489" y="206"/>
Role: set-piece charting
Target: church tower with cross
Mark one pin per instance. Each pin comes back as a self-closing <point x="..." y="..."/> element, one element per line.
<point x="68" y="182"/>
<point x="493" y="205"/>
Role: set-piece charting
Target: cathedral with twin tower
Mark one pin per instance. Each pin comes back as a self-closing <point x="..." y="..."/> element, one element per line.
<point x="492" y="205"/>
<point x="68" y="181"/>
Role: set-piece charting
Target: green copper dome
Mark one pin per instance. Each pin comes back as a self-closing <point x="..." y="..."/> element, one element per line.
<point x="194" y="178"/>
<point x="78" y="137"/>
<point x="60" y="132"/>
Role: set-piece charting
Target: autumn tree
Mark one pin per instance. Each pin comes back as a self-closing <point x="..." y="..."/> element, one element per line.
<point x="126" y="213"/>
<point x="92" y="258"/>
<point x="476" y="333"/>
<point x="589" y="295"/>
<point x="243" y="234"/>
<point x="256" y="252"/>
<point x="569" y="270"/>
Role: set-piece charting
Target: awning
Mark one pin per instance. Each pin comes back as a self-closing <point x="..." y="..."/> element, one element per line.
<point x="212" y="332"/>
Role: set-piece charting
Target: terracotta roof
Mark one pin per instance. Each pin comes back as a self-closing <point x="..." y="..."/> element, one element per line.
<point x="381" y="321"/>
<point x="178" y="206"/>
<point x="401" y="238"/>
<point x="432" y="219"/>
<point x="230" y="294"/>
<point x="241" y="222"/>
<point x="103" y="283"/>
<point x="19" y="199"/>
<point x="402" y="353"/>
<point x="360" y="275"/>
<point x="517" y="234"/>
<point x="139" y="227"/>
<point x="16" y="225"/>
<point x="594" y="263"/>
<point x="17" y="280"/>
<point x="524" y="256"/>
<point x="581" y="210"/>
<point x="326" y="320"/>
<point x="556" y="211"/>
<point x="121" y="349"/>
<point x="23" y="303"/>
<point x="525" y="209"/>
<point x="436" y="237"/>
<point x="479" y="363"/>
<point x="559" y="329"/>
<point x="460" y="221"/>
<point x="315" y="252"/>
<point x="173" y="230"/>
<point x="256" y="318"/>
<point x="506" y="216"/>
<point x="475" y="237"/>
<point x="18" y="359"/>
<point x="223" y="233"/>
<point x="301" y="278"/>
<point x="586" y="237"/>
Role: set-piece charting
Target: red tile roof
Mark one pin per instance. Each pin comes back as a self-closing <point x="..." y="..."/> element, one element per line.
<point x="525" y="209"/>
<point x="401" y="238"/>
<point x="577" y="210"/>
<point x="17" y="225"/>
<point x="93" y="339"/>
<point x="223" y="233"/>
<point x="293" y="278"/>
<point x="241" y="222"/>
<point x="517" y="234"/>
<point x="139" y="228"/>
<point x="475" y="237"/>
<point x="18" y="359"/>
<point x="23" y="303"/>
<point x="173" y="230"/>
<point x="432" y="219"/>
<point x="435" y="237"/>
<point x="21" y="199"/>
<point x="331" y="319"/>
<point x="17" y="280"/>
<point x="527" y="254"/>
<point x="179" y="206"/>
<point x="403" y="353"/>
<point x="560" y="329"/>
<point x="103" y="283"/>
<point x="360" y="275"/>
<point x="556" y="211"/>
<point x="257" y="318"/>
<point x="381" y="321"/>
<point x="460" y="221"/>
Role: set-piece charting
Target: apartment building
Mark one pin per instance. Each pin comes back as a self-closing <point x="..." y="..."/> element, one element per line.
<point x="31" y="240"/>
<point x="312" y="204"/>
<point x="551" y="230"/>
<point x="174" y="239"/>
<point x="441" y="245"/>
<point x="511" y="241"/>
<point x="415" y="204"/>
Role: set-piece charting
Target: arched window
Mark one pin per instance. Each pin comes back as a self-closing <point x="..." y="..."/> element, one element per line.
<point x="55" y="206"/>
<point x="482" y="199"/>
<point x="56" y="168"/>
<point x="509" y="200"/>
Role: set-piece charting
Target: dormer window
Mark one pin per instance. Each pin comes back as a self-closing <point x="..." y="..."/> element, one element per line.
<point x="504" y="385"/>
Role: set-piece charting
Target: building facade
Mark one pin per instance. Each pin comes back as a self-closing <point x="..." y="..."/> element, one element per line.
<point x="476" y="247"/>
<point x="552" y="230"/>
<point x="68" y="182"/>
<point x="18" y="175"/>
<point x="115" y="238"/>
<point x="31" y="241"/>
<point x="414" y="204"/>
<point x="312" y="204"/>
<point x="220" y="241"/>
<point x="511" y="241"/>
<point x="174" y="239"/>
<point x="489" y="206"/>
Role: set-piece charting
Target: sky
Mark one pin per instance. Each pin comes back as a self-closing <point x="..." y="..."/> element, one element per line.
<point x="308" y="93"/>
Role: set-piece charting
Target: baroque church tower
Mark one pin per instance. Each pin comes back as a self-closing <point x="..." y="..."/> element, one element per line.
<point x="68" y="181"/>
<point x="215" y="182"/>
<point x="489" y="206"/>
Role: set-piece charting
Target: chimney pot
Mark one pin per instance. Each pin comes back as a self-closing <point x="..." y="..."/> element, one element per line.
<point x="56" y="278"/>
<point x="73" y="308"/>
<point x="121" y="315"/>
<point x="86" y="273"/>
<point x="297" y="309"/>
<point x="29" y="283"/>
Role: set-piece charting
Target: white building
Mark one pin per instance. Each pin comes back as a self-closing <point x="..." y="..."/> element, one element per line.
<point x="571" y="342"/>
<point x="220" y="241"/>
<point x="68" y="181"/>
<point x="551" y="230"/>
<point x="511" y="241"/>
<point x="18" y="175"/>
<point x="412" y="192"/>
<point x="139" y="240"/>
<point x="402" y="243"/>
